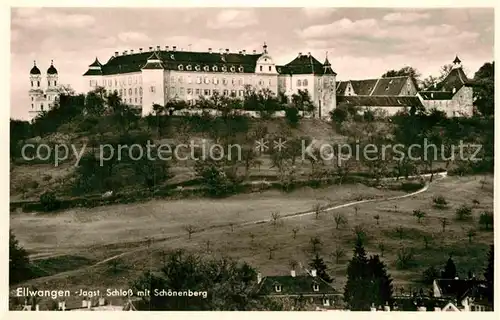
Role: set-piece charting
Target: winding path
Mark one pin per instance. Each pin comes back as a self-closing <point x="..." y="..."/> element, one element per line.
<point x="437" y="176"/>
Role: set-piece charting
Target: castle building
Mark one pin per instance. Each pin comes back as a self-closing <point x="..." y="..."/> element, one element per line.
<point x="42" y="97"/>
<point x="145" y="78"/>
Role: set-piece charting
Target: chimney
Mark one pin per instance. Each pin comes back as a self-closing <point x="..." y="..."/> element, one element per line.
<point x="292" y="273"/>
<point x="309" y="54"/>
<point x="209" y="50"/>
<point x="102" y="301"/>
<point x="372" y="308"/>
<point x="84" y="303"/>
<point x="244" y="52"/>
<point x="125" y="52"/>
<point x="167" y="48"/>
<point x="313" y="272"/>
<point x="254" y="51"/>
<point x="174" y="48"/>
<point x="150" y="48"/>
<point x="387" y="308"/>
<point x="259" y="277"/>
<point x="300" y="54"/>
<point x="37" y="307"/>
<point x="116" y="53"/>
<point x="239" y="52"/>
<point x="131" y="51"/>
<point x="158" y="48"/>
<point x="227" y="50"/>
<point x="140" y="50"/>
<point x="220" y="50"/>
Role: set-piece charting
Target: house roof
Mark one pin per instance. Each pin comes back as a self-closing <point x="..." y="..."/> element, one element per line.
<point x="380" y="101"/>
<point x="306" y="64"/>
<point x="363" y="87"/>
<point x="436" y="95"/>
<point x="459" y="288"/>
<point x="298" y="285"/>
<point x="341" y="86"/>
<point x="455" y="79"/>
<point x="391" y="86"/>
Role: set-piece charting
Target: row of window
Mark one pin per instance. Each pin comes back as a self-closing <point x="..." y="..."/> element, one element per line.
<point x="116" y="82"/>
<point x="207" y="68"/>
<point x="206" y="92"/>
<point x="215" y="80"/>
<point x="130" y="91"/>
<point x="37" y="83"/>
<point x="302" y="83"/>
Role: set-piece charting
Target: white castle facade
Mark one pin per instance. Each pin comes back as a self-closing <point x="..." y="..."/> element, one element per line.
<point x="145" y="78"/>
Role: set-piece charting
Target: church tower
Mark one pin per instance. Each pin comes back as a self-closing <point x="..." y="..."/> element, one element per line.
<point x="328" y="100"/>
<point x="52" y="79"/>
<point x="35" y="92"/>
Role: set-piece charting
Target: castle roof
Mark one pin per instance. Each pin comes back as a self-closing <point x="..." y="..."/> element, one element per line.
<point x="35" y="69"/>
<point x="390" y="86"/>
<point x="298" y="285"/>
<point x="51" y="69"/>
<point x="380" y="101"/>
<point x="455" y="79"/>
<point x="341" y="86"/>
<point x="305" y="64"/>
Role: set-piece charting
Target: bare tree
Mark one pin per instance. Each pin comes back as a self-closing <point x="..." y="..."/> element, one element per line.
<point x="356" y="209"/>
<point x="396" y="208"/>
<point x="293" y="264"/>
<point x="470" y="234"/>
<point x="400" y="231"/>
<point x="318" y="210"/>
<point x="444" y="223"/>
<point x="252" y="237"/>
<point x="294" y="231"/>
<point x="190" y="229"/>
<point x="360" y="233"/>
<point x="231" y="225"/>
<point x="208" y="245"/>
<point x="315" y="244"/>
<point x="275" y="217"/>
<point x="271" y="251"/>
<point x="427" y="240"/>
<point x="338" y="254"/>
<point x="419" y="214"/>
<point x="377" y="218"/>
<point x="340" y="219"/>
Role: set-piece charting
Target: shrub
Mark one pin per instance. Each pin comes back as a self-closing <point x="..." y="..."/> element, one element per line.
<point x="429" y="275"/>
<point x="412" y="186"/>
<point x="486" y="220"/>
<point x="292" y="116"/>
<point x="464" y="212"/>
<point x="405" y="259"/>
<point x="49" y="201"/>
<point x="440" y="202"/>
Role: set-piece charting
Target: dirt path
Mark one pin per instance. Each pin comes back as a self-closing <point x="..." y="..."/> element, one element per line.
<point x="148" y="243"/>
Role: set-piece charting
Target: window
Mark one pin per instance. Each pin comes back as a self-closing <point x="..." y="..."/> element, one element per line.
<point x="270" y="68"/>
<point x="315" y="287"/>
<point x="181" y="91"/>
<point x="180" y="67"/>
<point x="198" y="80"/>
<point x="152" y="89"/>
<point x="277" y="288"/>
<point x="224" y="81"/>
<point x="233" y="93"/>
<point x="90" y="83"/>
<point x="242" y="93"/>
<point x="215" y="92"/>
<point x="32" y="99"/>
<point x="304" y="83"/>
<point x="49" y="83"/>
<point x="38" y="83"/>
<point x="172" y="91"/>
<point x="224" y="69"/>
<point x="41" y="106"/>
<point x="135" y="91"/>
<point x="124" y="92"/>
<point x="129" y="80"/>
<point x="261" y="82"/>
<point x="189" y="80"/>
<point x="140" y="100"/>
<point x="206" y="68"/>
<point x="240" y="69"/>
<point x="130" y="100"/>
<point x="121" y="92"/>
<point x="299" y="83"/>
<point x="240" y="81"/>
<point x="32" y="106"/>
<point x="32" y="83"/>
<point x="110" y="83"/>
<point x="135" y="100"/>
<point x="116" y="83"/>
<point x="261" y="68"/>
<point x="180" y="79"/>
<point x="188" y="68"/>
<point x="206" y="92"/>
<point x="326" y="302"/>
<point x="216" y="80"/>
<point x="197" y="92"/>
<point x="130" y="91"/>
<point x="233" y="81"/>
<point x="189" y="91"/>
<point x="225" y="92"/>
<point x="51" y="97"/>
<point x="214" y="68"/>
<point x="197" y="68"/>
<point x="233" y="69"/>
<point x="207" y="81"/>
<point x="140" y="91"/>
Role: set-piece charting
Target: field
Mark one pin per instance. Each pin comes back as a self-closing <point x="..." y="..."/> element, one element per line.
<point x="108" y="246"/>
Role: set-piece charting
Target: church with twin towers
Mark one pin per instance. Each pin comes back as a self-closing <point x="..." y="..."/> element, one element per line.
<point x="43" y="93"/>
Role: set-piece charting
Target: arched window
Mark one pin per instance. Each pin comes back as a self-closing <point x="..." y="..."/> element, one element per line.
<point x="180" y="67"/>
<point x="214" y="68"/>
<point x="130" y="91"/>
<point x="224" y="69"/>
<point x="261" y="68"/>
<point x="188" y="68"/>
<point x="197" y="68"/>
<point x="207" y="81"/>
<point x="206" y="68"/>
<point x="38" y="83"/>
<point x="299" y="83"/>
<point x="216" y="80"/>
<point x="304" y="83"/>
<point x="240" y="69"/>
<point x="233" y="69"/>
<point x="140" y="91"/>
<point x="32" y="83"/>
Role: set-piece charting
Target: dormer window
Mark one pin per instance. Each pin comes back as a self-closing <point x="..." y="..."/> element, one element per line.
<point x="188" y="68"/>
<point x="197" y="68"/>
<point x="240" y="69"/>
<point x="315" y="287"/>
<point x="172" y="57"/>
<point x="180" y="67"/>
<point x="233" y="69"/>
<point x="224" y="69"/>
<point x="277" y="288"/>
<point x="214" y="68"/>
<point x="206" y="68"/>
<point x="326" y="302"/>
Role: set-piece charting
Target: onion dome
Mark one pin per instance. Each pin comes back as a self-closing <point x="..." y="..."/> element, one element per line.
<point x="35" y="69"/>
<point x="51" y="69"/>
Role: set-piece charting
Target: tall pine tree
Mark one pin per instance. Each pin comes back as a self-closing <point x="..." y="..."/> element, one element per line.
<point x="488" y="274"/>
<point x="356" y="295"/>
<point x="450" y="271"/>
<point x="319" y="265"/>
<point x="19" y="264"/>
<point x="381" y="282"/>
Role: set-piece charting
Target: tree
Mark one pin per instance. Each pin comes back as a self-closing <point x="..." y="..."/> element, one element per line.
<point x="275" y="218"/>
<point x="404" y="71"/>
<point x="444" y="223"/>
<point x="340" y="219"/>
<point x="229" y="285"/>
<point x="381" y="282"/>
<point x="419" y="214"/>
<point x="292" y="116"/>
<point x="489" y="274"/>
<point x="338" y="254"/>
<point x="484" y="89"/>
<point x="464" y="212"/>
<point x="376" y="217"/>
<point x="190" y="229"/>
<point x="486" y="220"/>
<point x="405" y="258"/>
<point x="450" y="270"/>
<point x="356" y="295"/>
<point x="429" y="275"/>
<point x="19" y="263"/>
<point x="319" y="265"/>
<point x="470" y="234"/>
<point x="294" y="232"/>
<point x="302" y="101"/>
<point x="318" y="210"/>
<point x="315" y="244"/>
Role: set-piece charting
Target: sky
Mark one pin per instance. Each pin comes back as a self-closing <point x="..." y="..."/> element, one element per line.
<point x="361" y="42"/>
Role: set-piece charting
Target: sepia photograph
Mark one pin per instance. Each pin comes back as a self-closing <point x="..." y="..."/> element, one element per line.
<point x="251" y="159"/>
